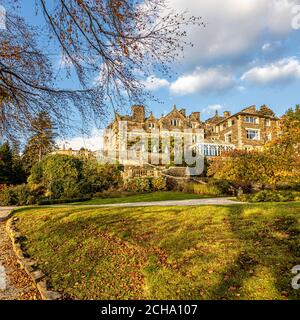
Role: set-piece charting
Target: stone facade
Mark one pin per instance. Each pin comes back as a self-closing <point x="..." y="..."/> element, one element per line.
<point x="174" y="122"/>
<point x="85" y="153"/>
<point x="248" y="129"/>
<point x="176" y="119"/>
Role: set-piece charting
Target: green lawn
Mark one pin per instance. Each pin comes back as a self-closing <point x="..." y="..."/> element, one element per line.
<point x="154" y="196"/>
<point x="208" y="252"/>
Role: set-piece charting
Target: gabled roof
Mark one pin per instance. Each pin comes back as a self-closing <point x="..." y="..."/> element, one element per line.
<point x="151" y="117"/>
<point x="176" y="112"/>
<point x="252" y="111"/>
<point x="215" y="119"/>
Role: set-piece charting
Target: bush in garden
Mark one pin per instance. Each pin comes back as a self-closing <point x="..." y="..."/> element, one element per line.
<point x="224" y="186"/>
<point x="22" y="193"/>
<point x="8" y="197"/>
<point x="56" y="174"/>
<point x="138" y="184"/>
<point x="98" y="177"/>
<point x="63" y="176"/>
<point x="203" y="189"/>
<point x="46" y="202"/>
<point x="145" y="184"/>
<point x="174" y="184"/>
<point x="159" y="184"/>
<point x="207" y="189"/>
<point x="271" y="196"/>
<point x="19" y="195"/>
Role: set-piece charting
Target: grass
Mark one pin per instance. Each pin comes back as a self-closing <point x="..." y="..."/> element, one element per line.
<point x="147" y="197"/>
<point x="209" y="252"/>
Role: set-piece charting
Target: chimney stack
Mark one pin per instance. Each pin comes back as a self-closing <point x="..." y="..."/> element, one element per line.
<point x="183" y="112"/>
<point x="196" y="115"/>
<point x="138" y="113"/>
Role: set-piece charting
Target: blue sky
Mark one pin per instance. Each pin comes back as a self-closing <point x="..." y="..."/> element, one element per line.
<point x="249" y="53"/>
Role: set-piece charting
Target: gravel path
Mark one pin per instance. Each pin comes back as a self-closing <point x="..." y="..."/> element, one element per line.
<point x="14" y="282"/>
<point x="171" y="203"/>
<point x="4" y="212"/>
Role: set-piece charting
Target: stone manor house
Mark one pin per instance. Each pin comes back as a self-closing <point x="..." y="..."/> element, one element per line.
<point x="248" y="129"/>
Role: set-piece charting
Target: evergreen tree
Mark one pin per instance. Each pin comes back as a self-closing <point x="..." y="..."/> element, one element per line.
<point x="11" y="166"/>
<point x="6" y="164"/>
<point x="41" y="142"/>
<point x="19" y="174"/>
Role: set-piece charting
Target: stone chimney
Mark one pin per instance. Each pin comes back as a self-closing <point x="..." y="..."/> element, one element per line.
<point x="196" y="115"/>
<point x="138" y="113"/>
<point x="183" y="112"/>
<point x="227" y="114"/>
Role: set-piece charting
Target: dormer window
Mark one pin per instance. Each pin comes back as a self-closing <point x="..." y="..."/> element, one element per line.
<point x="151" y="125"/>
<point x="175" y="122"/>
<point x="249" y="119"/>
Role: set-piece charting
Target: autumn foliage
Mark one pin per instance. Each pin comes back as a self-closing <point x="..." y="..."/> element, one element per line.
<point x="109" y="46"/>
<point x="278" y="162"/>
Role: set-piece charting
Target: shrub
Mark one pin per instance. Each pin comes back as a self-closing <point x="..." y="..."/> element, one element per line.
<point x="138" y="184"/>
<point x="19" y="195"/>
<point x="8" y="197"/>
<point x="44" y="202"/>
<point x="159" y="184"/>
<point x="174" y="184"/>
<point x="271" y="196"/>
<point x="66" y="177"/>
<point x="58" y="175"/>
<point x="204" y="189"/>
<point x="113" y="194"/>
<point x="98" y="177"/>
<point x="224" y="186"/>
<point x="210" y="188"/>
<point x="145" y="184"/>
<point x="22" y="193"/>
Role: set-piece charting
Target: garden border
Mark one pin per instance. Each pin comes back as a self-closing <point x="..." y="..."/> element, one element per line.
<point x="29" y="265"/>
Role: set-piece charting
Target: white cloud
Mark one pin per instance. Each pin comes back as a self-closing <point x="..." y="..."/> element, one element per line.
<point x="234" y="27"/>
<point x="211" y="109"/>
<point x="212" y="79"/>
<point x="280" y="71"/>
<point x="271" y="46"/>
<point x="93" y="142"/>
<point x="241" y="88"/>
<point x="153" y="83"/>
<point x="266" y="47"/>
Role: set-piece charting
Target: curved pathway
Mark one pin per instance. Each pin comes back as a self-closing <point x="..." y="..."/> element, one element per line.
<point x="14" y="281"/>
<point x="169" y="203"/>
